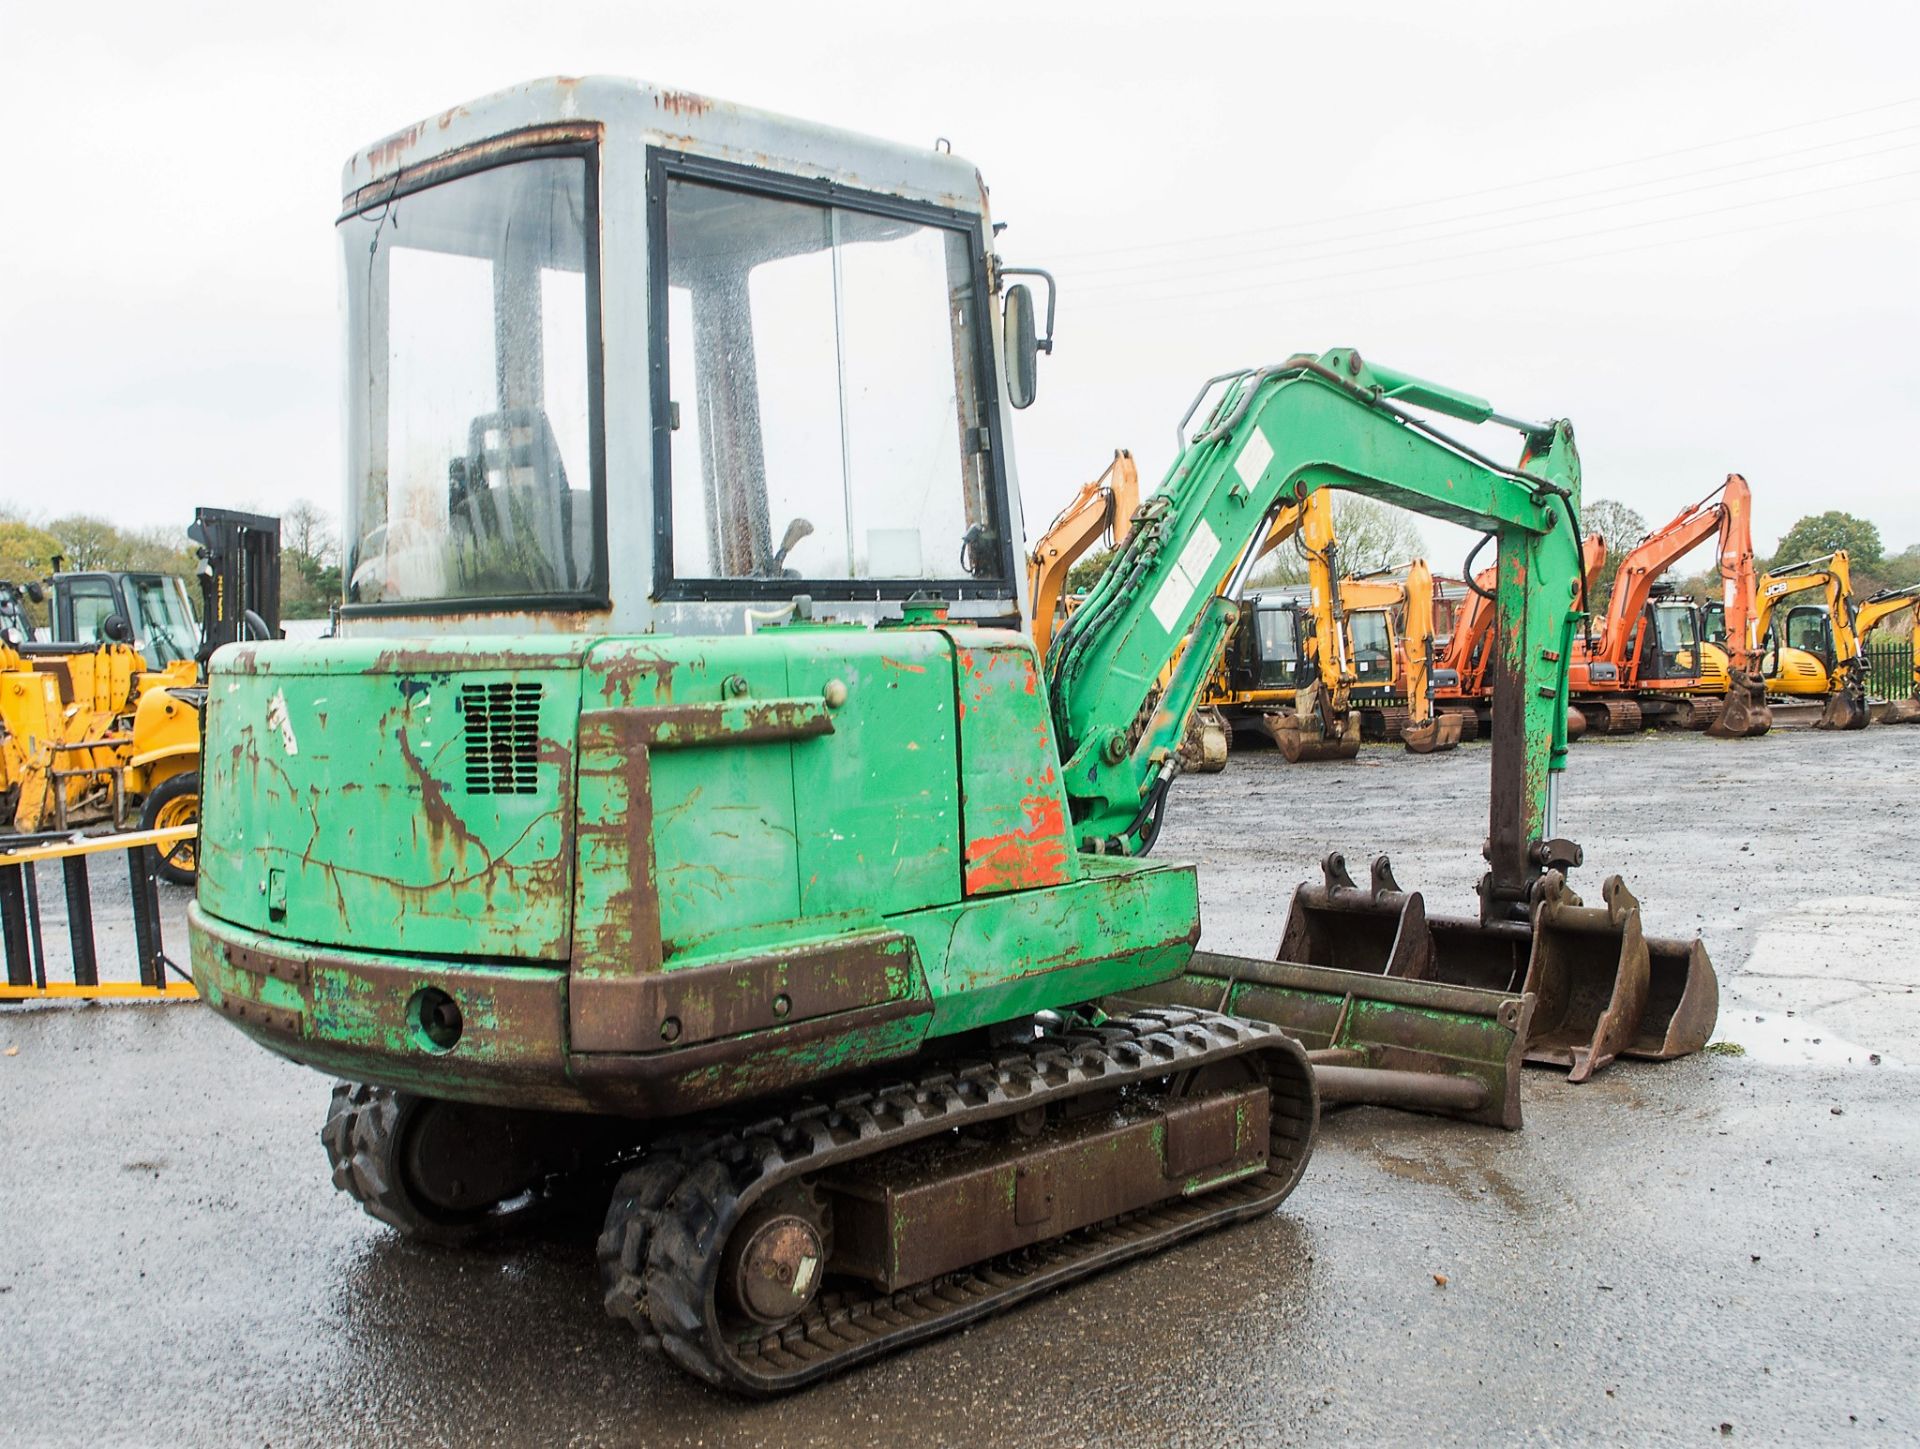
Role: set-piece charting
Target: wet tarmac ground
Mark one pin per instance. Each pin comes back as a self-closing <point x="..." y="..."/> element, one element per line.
<point x="1710" y="1250"/>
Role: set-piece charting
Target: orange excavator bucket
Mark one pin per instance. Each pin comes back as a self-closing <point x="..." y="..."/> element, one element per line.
<point x="1600" y="987"/>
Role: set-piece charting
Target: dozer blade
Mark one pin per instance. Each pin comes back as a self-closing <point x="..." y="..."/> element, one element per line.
<point x="1432" y="736"/>
<point x="1745" y="714"/>
<point x="1600" y="989"/>
<point x="1376" y="1040"/>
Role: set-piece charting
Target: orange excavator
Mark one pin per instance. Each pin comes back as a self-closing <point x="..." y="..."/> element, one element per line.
<point x="1104" y="507"/>
<point x="1460" y="685"/>
<point x="1649" y="658"/>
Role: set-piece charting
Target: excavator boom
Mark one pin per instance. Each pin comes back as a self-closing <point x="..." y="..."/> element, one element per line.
<point x="1103" y="507"/>
<point x="1276" y="436"/>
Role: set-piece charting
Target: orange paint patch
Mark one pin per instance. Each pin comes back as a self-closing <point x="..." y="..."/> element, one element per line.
<point x="905" y="666"/>
<point x="1035" y="855"/>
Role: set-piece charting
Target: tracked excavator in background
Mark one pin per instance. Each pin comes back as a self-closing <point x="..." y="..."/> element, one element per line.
<point x="1293" y="667"/>
<point x="765" y="884"/>
<point x="1649" y="658"/>
<point x="1409" y="653"/>
<point x="1102" y="508"/>
<point x="1882" y="608"/>
<point x="1462" y="670"/>
<point x="101" y="727"/>
<point x="1812" y="650"/>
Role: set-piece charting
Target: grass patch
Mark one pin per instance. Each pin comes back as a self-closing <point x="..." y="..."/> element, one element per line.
<point x="1725" y="1048"/>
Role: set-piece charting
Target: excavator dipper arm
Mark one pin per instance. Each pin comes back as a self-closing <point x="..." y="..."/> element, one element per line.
<point x="1106" y="505"/>
<point x="1277" y="435"/>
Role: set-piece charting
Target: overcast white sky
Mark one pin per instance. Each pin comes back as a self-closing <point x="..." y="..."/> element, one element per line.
<point x="1721" y="276"/>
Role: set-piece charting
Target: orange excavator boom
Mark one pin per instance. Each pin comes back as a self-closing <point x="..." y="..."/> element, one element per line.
<point x="1104" y="506"/>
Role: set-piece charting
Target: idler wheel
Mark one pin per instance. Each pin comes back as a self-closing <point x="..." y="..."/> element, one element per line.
<point x="773" y="1267"/>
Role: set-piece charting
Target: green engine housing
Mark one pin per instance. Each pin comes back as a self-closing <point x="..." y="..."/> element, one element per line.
<point x="650" y="875"/>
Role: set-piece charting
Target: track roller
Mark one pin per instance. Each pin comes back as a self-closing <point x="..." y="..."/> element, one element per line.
<point x="457" y="1173"/>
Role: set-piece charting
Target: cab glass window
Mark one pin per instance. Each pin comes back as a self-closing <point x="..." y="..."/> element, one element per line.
<point x="1372" y="644"/>
<point x="1807" y="629"/>
<point x="472" y="404"/>
<point x="92" y="605"/>
<point x="824" y="404"/>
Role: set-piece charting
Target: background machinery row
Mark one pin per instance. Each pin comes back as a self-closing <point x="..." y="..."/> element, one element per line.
<point x="1401" y="654"/>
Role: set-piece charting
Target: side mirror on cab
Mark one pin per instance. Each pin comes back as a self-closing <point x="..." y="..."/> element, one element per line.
<point x="1020" y="336"/>
<point x="116" y="629"/>
<point x="1022" y="345"/>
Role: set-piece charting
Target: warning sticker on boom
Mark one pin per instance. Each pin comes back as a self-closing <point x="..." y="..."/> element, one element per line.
<point x="1189" y="571"/>
<point x="1255" y="454"/>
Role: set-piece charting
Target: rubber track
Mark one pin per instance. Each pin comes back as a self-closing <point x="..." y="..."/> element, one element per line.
<point x="683" y="1239"/>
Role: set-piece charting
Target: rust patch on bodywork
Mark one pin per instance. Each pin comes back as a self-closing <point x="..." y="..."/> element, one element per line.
<point x="673" y="1010"/>
<point x="387" y="153"/>
<point x="683" y="103"/>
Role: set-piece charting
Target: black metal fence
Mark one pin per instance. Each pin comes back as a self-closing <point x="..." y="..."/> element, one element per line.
<point x="1889" y="668"/>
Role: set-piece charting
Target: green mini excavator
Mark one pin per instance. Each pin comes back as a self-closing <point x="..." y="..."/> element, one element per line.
<point x="683" y="813"/>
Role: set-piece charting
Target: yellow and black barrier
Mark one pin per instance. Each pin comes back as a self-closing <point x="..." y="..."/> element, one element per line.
<point x="20" y="918"/>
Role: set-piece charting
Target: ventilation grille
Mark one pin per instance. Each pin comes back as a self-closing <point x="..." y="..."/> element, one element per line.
<point x="503" y="733"/>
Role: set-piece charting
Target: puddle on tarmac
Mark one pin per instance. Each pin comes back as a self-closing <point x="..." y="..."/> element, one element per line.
<point x="1777" y="1037"/>
<point x="1845" y="960"/>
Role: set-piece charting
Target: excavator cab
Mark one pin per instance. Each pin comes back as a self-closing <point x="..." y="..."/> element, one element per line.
<point x="1372" y="639"/>
<point x="1267" y="649"/>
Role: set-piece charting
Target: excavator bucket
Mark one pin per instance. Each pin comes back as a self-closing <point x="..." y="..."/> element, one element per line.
<point x="1431" y="736"/>
<point x="1204" y="749"/>
<point x="1599" y="987"/>
<point x="1845" y="710"/>
<point x="1305" y="734"/>
<point x="1745" y="713"/>
<point x="1902" y="711"/>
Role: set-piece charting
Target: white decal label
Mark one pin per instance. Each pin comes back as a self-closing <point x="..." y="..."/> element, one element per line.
<point x="277" y="720"/>
<point x="1254" y="457"/>
<point x="1171" y="601"/>
<point x="1199" y="553"/>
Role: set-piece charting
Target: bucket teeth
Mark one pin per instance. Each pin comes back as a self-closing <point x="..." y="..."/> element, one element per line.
<point x="1600" y="988"/>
